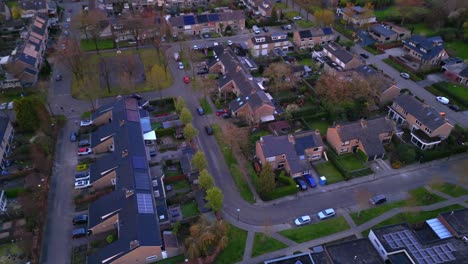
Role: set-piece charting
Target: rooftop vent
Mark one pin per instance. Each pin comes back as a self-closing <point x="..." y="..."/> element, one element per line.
<point x="134" y="244"/>
<point x="122" y="122"/>
<point x="124" y="153"/>
<point x="128" y="193"/>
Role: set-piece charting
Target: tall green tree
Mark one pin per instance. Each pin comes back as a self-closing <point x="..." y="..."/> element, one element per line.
<point x="274" y="14"/>
<point x="266" y="180"/>
<point x="199" y="161"/>
<point x="215" y="199"/>
<point x="179" y="104"/>
<point x="190" y="132"/>
<point x="185" y="116"/>
<point x="26" y="113"/>
<point x="205" y="180"/>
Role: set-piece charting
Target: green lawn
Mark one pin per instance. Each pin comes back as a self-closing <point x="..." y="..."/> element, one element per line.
<point x="421" y="29"/>
<point x="280" y="6"/>
<point x="189" y="209"/>
<point x="329" y="170"/>
<point x="265" y="244"/>
<point x="418" y="197"/>
<point x="291" y="14"/>
<point x="206" y="106"/>
<point x="455" y="93"/>
<point x="321" y="229"/>
<point x="415" y="217"/>
<point x="257" y="135"/>
<point x="351" y="162"/>
<point x="313" y="123"/>
<point x="305" y="24"/>
<point x="459" y="47"/>
<point x="174" y="260"/>
<point x="234" y="252"/>
<point x="180" y="185"/>
<point x="88" y="45"/>
<point x="382" y="15"/>
<point x="450" y="189"/>
<point x="307" y="62"/>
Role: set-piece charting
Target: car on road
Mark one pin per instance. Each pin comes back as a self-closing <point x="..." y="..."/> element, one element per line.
<point x="209" y="130"/>
<point x="215" y="44"/>
<point x="80" y="219"/>
<point x="195" y="47"/>
<point x="180" y="65"/>
<point x="303" y="220"/>
<point x="286" y="27"/>
<point x="67" y="25"/>
<point x="85" y="123"/>
<point x="136" y="96"/>
<point x="378" y="199"/>
<point x="310" y="180"/>
<point x="200" y="111"/>
<point x="63" y="46"/>
<point x="68" y="19"/>
<point x="455" y="108"/>
<point x="404" y="75"/>
<point x="70" y="10"/>
<point x="58" y="77"/>
<point x="327" y="213"/>
<point x="3" y="106"/>
<point x="82" y="176"/>
<point x="83" y="143"/>
<point x="11" y="105"/>
<point x="229" y="42"/>
<point x="186" y="79"/>
<point x="442" y="100"/>
<point x="221" y="112"/>
<point x="297" y="18"/>
<point x="82" y="184"/>
<point x="363" y="55"/>
<point x="301" y="183"/>
<point x="226" y="115"/>
<point x="84" y="151"/>
<point x="265" y="29"/>
<point x="153" y="153"/>
<point x="73" y="136"/>
<point x="81" y="232"/>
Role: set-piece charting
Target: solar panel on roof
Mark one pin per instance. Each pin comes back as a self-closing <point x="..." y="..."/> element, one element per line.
<point x="327" y="31"/>
<point x="213" y="17"/>
<point x="145" y="203"/>
<point x="141" y="181"/>
<point x="202" y="18"/>
<point x="189" y="20"/>
<point x="139" y="162"/>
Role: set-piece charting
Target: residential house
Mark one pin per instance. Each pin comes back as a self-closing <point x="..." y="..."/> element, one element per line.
<point x="428" y="127"/>
<point x="32" y="7"/>
<point x="434" y="242"/>
<point x="204" y="23"/>
<point x="385" y="88"/>
<point x="309" y="38"/>
<point x="388" y="32"/>
<point x="263" y="7"/>
<point x="301" y="71"/>
<point x="292" y="152"/>
<point x="265" y="44"/>
<point x="427" y="52"/>
<point x="340" y="56"/>
<point x="181" y="3"/>
<point x="279" y="128"/>
<point x="252" y="103"/>
<point x="357" y="15"/>
<point x="457" y="72"/>
<point x="6" y="134"/>
<point x="26" y="60"/>
<point x="130" y="208"/>
<point x="365" y="135"/>
<point x="5" y="11"/>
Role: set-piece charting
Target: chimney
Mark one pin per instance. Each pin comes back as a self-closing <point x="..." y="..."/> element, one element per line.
<point x="124" y="153"/>
<point x="291" y="138"/>
<point x="363" y="122"/>
<point x="134" y="244"/>
<point x="128" y="193"/>
<point x="317" y="132"/>
<point x="122" y="122"/>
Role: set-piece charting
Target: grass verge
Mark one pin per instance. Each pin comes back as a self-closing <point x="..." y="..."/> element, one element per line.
<point x="206" y="106"/>
<point x="321" y="229"/>
<point x="329" y="170"/>
<point x="234" y="252"/>
<point x="264" y="244"/>
<point x="418" y="197"/>
<point x="103" y="44"/>
<point x="450" y="189"/>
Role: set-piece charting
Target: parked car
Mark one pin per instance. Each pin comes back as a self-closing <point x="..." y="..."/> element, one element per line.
<point x="73" y="136"/>
<point x="82" y="184"/>
<point x="136" y="96"/>
<point x="221" y="112"/>
<point x="365" y="56"/>
<point x="310" y="180"/>
<point x="3" y="106"/>
<point x="82" y="176"/>
<point x="153" y="153"/>
<point x="226" y="115"/>
<point x="186" y="79"/>
<point x="215" y="44"/>
<point x="209" y="130"/>
<point x="80" y="219"/>
<point x="301" y="183"/>
<point x="83" y="143"/>
<point x="81" y="232"/>
<point x="297" y="18"/>
<point x="404" y="75"/>
<point x="195" y="47"/>
<point x="200" y="111"/>
<point x="85" y="123"/>
<point x="442" y="100"/>
<point x="58" y="77"/>
<point x="287" y="27"/>
<point x="229" y="42"/>
<point x="455" y="108"/>
<point x="82" y="167"/>
<point x="84" y="151"/>
<point x="265" y="29"/>
<point x="11" y="105"/>
<point x="180" y="65"/>
<point x="378" y="199"/>
<point x="303" y="220"/>
<point x="327" y="213"/>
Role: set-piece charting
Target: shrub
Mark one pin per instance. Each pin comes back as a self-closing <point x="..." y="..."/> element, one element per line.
<point x="110" y="238"/>
<point x="165" y="132"/>
<point x="396" y="164"/>
<point x="288" y="188"/>
<point x="15" y="192"/>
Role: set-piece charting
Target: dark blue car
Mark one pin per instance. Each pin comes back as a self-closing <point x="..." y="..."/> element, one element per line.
<point x="301" y="183"/>
<point x="310" y="180"/>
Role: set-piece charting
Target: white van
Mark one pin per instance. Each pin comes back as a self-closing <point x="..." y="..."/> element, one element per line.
<point x="255" y="29"/>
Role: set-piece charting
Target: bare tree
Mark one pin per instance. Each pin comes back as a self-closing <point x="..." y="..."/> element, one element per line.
<point x="280" y="77"/>
<point x="90" y="23"/>
<point x="73" y="58"/>
<point x="105" y="69"/>
<point x="362" y="196"/>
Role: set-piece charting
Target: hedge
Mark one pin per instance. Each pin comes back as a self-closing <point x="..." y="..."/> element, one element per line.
<point x="346" y="173"/>
<point x="165" y="132"/>
<point x="282" y="191"/>
<point x="433" y="154"/>
<point x="175" y="178"/>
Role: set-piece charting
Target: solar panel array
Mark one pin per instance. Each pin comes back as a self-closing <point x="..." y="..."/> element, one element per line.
<point x="139" y="162"/>
<point x="436" y="254"/>
<point x="327" y="31"/>
<point x="141" y="181"/>
<point x="202" y="18"/>
<point x="213" y="17"/>
<point x="145" y="203"/>
<point x="189" y="20"/>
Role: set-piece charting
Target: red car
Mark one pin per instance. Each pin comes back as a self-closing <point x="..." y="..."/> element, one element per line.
<point x="221" y="112"/>
<point x="186" y="79"/>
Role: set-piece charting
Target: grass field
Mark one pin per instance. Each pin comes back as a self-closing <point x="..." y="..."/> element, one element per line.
<point x="351" y="162"/>
<point x="321" y="229"/>
<point x="421" y="29"/>
<point x="329" y="170"/>
<point x="457" y="94"/>
<point x="236" y="245"/>
<point x="313" y="123"/>
<point x="460" y="47"/>
<point x="265" y="244"/>
<point x="305" y="24"/>
<point x="418" y="197"/>
<point x="382" y="15"/>
<point x="450" y="189"/>
<point x="189" y="209"/>
<point x="103" y="44"/>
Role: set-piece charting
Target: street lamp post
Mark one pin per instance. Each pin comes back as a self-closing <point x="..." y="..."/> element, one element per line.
<point x="238" y="211"/>
<point x="297" y="191"/>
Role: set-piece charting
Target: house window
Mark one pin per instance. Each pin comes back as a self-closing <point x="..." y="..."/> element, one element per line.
<point x="418" y="122"/>
<point x="316" y="149"/>
<point x="281" y="165"/>
<point x="405" y="112"/>
<point x="345" y="143"/>
<point x="377" y="242"/>
<point x="428" y="130"/>
<point x="343" y="150"/>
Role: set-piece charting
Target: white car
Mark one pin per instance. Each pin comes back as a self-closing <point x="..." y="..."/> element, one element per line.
<point x="85" y="123"/>
<point x="180" y="65"/>
<point x="215" y="44"/>
<point x="84" y="151"/>
<point x="327" y="213"/>
<point x="442" y="100"/>
<point x="82" y="184"/>
<point x="195" y="47"/>
<point x="3" y="106"/>
<point x="303" y="220"/>
<point x="68" y="19"/>
<point x="11" y="105"/>
<point x="229" y="42"/>
<point x="404" y="75"/>
<point x="297" y="18"/>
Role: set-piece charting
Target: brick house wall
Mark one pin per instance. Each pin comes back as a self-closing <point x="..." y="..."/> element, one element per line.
<point x="139" y="255"/>
<point x="106" y="225"/>
<point x="104" y="181"/>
